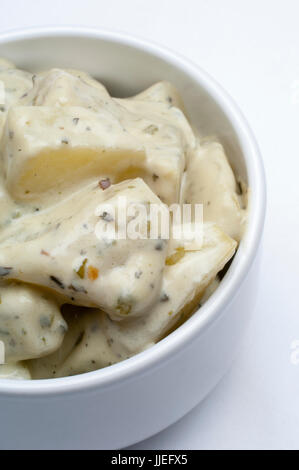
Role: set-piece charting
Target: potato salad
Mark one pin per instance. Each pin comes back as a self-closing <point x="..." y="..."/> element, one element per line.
<point x="73" y="298"/>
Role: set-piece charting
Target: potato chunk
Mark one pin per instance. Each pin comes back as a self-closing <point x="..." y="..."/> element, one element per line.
<point x="67" y="129"/>
<point x="94" y="341"/>
<point x="14" y="84"/>
<point x="65" y="88"/>
<point x="161" y="92"/>
<point x="184" y="283"/>
<point x="14" y="371"/>
<point x="210" y="181"/>
<point x="66" y="248"/>
<point x="168" y="140"/>
<point x="47" y="148"/>
<point x="84" y="348"/>
<point x="30" y="322"/>
<point x="50" y="149"/>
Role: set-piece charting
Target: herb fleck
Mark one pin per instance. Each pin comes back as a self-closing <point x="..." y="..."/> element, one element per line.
<point x="77" y="288"/>
<point x="164" y="298"/>
<point x="151" y="129"/>
<point x="104" y="184"/>
<point x="239" y="188"/>
<point x="4" y="271"/>
<point x="175" y="257"/>
<point x="79" y="339"/>
<point x="159" y="246"/>
<point x="45" y="322"/>
<point x="107" y="217"/>
<point x="123" y="306"/>
<point x="57" y="281"/>
<point x="16" y="215"/>
<point x="81" y="270"/>
<point x="45" y="253"/>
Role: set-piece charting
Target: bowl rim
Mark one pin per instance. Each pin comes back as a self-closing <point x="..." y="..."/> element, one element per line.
<point x="213" y="309"/>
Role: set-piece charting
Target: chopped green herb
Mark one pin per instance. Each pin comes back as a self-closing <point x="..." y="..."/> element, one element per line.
<point x="175" y="257"/>
<point x="151" y="129"/>
<point x="124" y="306"/>
<point x="81" y="270"/>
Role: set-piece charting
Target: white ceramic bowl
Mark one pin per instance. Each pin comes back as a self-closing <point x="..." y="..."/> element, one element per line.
<point x="130" y="401"/>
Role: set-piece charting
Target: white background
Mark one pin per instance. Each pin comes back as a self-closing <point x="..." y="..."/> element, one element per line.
<point x="252" y="48"/>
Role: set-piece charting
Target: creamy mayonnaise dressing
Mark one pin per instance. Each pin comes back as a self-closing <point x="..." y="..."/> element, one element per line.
<point x="71" y="301"/>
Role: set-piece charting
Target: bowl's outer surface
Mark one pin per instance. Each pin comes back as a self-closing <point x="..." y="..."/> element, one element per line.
<point x="133" y="400"/>
<point x="134" y="409"/>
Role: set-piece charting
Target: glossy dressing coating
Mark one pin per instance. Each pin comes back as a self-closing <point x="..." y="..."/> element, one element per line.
<point x="72" y="301"/>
